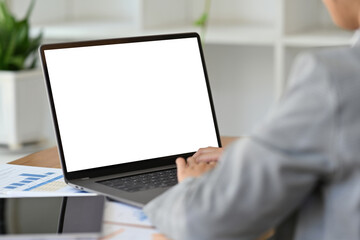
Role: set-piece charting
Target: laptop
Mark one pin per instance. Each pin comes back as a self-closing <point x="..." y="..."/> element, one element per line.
<point x="124" y="109"/>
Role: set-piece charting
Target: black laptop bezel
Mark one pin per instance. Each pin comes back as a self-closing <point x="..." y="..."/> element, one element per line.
<point x="125" y="167"/>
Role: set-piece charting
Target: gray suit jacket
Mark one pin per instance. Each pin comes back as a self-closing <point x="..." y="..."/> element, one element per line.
<point x="299" y="172"/>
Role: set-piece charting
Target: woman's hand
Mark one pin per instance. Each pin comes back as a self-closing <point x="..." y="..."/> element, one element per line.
<point x="202" y="161"/>
<point x="208" y="154"/>
<point x="191" y="168"/>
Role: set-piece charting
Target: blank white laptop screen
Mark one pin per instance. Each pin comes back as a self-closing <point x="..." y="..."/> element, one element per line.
<point x="120" y="103"/>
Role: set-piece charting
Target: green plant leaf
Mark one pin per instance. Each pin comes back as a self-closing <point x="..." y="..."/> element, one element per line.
<point x="18" y="50"/>
<point x="4" y="12"/>
<point x="22" y="38"/>
<point x="1" y="54"/>
<point x="6" y="19"/>
<point x="201" y="21"/>
<point x="10" y="49"/>
<point x="30" y="9"/>
<point x="16" y="63"/>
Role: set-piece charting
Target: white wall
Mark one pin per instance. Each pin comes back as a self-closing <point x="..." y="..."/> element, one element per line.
<point x="242" y="86"/>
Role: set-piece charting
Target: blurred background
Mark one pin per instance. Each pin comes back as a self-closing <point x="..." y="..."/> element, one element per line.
<point x="249" y="47"/>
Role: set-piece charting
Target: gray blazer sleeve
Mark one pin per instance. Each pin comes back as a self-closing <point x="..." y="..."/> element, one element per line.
<point x="258" y="181"/>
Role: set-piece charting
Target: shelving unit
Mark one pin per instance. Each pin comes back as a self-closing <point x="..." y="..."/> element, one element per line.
<point x="249" y="45"/>
<point x="318" y="38"/>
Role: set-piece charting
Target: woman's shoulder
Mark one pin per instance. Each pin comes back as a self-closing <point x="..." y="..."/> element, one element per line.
<point x="336" y="58"/>
<point x="332" y="63"/>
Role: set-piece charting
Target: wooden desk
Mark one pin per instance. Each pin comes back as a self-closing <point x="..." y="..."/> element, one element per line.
<point x="50" y="158"/>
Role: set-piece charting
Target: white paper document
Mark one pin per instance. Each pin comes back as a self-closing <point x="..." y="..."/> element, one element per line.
<point x="125" y="222"/>
<point x="27" y="181"/>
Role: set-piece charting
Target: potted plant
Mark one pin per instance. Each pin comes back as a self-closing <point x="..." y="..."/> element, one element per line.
<point x="22" y="92"/>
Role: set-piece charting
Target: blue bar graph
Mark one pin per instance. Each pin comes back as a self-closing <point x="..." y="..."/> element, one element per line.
<point x="32" y="175"/>
<point x="30" y="179"/>
<point x="43" y="183"/>
<point x="25" y="181"/>
<point x="17" y="184"/>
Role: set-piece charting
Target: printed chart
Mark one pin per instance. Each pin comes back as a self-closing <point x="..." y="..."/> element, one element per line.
<point x="26" y="181"/>
<point x="38" y="182"/>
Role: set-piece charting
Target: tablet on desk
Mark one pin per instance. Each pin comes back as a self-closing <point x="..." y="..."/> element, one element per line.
<point x="51" y="217"/>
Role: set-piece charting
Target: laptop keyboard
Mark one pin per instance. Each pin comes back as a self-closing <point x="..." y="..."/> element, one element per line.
<point x="146" y="181"/>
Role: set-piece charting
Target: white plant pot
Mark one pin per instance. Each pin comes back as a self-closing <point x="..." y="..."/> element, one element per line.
<point x="23" y="108"/>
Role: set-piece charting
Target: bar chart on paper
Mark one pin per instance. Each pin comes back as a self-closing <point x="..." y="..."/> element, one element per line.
<point x="29" y="181"/>
<point x="48" y="181"/>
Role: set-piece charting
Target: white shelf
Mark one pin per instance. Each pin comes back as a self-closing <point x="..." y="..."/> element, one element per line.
<point x="226" y="34"/>
<point x="83" y="30"/>
<point x="318" y="38"/>
<point x="246" y="34"/>
<point x="241" y="34"/>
